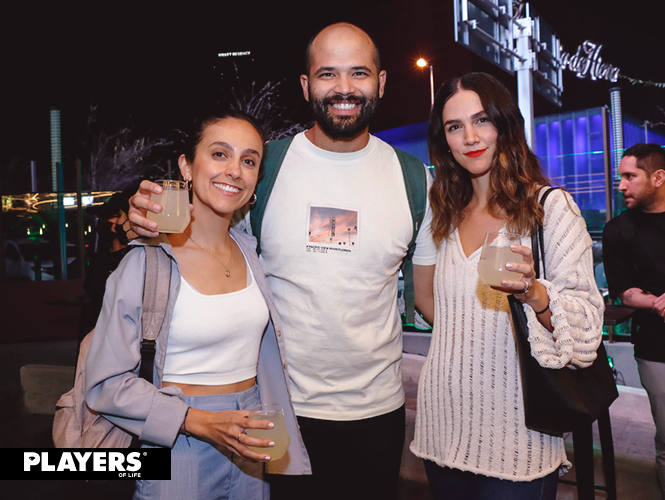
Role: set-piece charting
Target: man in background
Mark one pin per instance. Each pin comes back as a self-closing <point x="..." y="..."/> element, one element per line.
<point x="634" y="257"/>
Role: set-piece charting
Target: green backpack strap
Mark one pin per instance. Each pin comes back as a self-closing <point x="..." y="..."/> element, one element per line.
<point x="272" y="162"/>
<point x="415" y="181"/>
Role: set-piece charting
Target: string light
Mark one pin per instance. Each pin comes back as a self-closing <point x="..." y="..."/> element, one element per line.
<point x="635" y="81"/>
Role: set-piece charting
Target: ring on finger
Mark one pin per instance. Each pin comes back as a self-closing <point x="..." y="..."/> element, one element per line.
<point x="238" y="438"/>
<point x="526" y="286"/>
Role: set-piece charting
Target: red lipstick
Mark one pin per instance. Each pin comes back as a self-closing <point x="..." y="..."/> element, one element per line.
<point x="476" y="153"/>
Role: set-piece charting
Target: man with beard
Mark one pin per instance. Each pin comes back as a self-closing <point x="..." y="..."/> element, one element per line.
<point x="336" y="228"/>
<point x="633" y="249"/>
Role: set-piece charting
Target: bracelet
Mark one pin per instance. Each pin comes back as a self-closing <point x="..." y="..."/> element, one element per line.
<point x="544" y="310"/>
<point x="184" y="427"/>
<point x="184" y="423"/>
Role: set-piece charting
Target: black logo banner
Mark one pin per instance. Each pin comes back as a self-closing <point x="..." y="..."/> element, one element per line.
<point x="88" y="464"/>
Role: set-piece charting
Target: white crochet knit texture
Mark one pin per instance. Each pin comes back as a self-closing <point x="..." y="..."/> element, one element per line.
<point x="470" y="413"/>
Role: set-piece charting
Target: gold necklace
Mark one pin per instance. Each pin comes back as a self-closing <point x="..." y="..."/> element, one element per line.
<point x="228" y="271"/>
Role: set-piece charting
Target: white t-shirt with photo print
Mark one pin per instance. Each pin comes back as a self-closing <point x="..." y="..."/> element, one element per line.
<point x="334" y="233"/>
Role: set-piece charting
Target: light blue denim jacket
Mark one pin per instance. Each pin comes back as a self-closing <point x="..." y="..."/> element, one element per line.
<point x="155" y="413"/>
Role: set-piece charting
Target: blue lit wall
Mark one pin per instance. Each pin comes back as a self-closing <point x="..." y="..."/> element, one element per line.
<point x="570" y="149"/>
<point x="410" y="138"/>
<point x="634" y="132"/>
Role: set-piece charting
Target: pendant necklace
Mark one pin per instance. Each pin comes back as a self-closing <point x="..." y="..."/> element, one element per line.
<point x="228" y="272"/>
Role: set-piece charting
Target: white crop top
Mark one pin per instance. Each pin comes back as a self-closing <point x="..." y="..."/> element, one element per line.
<point x="215" y="339"/>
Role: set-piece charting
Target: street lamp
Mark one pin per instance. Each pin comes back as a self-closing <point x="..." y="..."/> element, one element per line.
<point x="423" y="63"/>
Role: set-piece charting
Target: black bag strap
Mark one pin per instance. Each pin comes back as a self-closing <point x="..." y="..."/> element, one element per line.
<point x="537" y="245"/>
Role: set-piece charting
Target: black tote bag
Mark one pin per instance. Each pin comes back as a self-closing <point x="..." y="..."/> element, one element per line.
<point x="559" y="400"/>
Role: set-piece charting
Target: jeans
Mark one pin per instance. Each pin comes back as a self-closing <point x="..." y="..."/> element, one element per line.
<point x="454" y="484"/>
<point x="199" y="470"/>
<point x="351" y="460"/>
<point x="652" y="376"/>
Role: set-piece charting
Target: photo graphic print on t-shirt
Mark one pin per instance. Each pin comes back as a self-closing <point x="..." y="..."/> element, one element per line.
<point x="332" y="229"/>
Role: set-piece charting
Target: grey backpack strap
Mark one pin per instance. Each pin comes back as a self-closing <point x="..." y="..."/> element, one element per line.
<point x="155" y="301"/>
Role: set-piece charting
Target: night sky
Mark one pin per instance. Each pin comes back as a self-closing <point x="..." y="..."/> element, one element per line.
<point x="141" y="68"/>
<point x="148" y="68"/>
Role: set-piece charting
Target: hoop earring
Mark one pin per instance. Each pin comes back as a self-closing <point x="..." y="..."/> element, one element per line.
<point x="253" y="201"/>
<point x="189" y="185"/>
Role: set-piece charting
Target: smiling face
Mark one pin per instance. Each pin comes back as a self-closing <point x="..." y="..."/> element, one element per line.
<point x="225" y="169"/>
<point x="470" y="135"/>
<point x="344" y="84"/>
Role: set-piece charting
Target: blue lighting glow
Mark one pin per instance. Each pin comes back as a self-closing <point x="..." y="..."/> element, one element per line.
<point x="570" y="149"/>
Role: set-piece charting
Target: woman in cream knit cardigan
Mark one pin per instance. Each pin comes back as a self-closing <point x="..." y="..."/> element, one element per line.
<point x="470" y="427"/>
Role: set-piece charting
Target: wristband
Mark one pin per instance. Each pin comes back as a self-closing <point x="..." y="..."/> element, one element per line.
<point x="544" y="310"/>
<point x="184" y="427"/>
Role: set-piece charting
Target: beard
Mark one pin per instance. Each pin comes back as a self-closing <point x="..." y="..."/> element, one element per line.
<point x="343" y="127"/>
<point x="644" y="200"/>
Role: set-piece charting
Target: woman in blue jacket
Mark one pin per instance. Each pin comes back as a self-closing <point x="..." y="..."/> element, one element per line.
<point x="219" y="350"/>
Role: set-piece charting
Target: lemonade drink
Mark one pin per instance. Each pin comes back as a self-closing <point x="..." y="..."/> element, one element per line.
<point x="492" y="265"/>
<point x="174" y="199"/>
<point x="278" y="434"/>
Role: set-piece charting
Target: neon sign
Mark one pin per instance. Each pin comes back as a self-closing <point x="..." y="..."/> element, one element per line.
<point x="587" y="62"/>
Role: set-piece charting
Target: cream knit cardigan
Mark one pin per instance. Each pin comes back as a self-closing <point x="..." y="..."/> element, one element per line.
<point x="470" y="412"/>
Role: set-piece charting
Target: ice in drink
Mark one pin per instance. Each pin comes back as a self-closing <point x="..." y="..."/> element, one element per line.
<point x="174" y="199"/>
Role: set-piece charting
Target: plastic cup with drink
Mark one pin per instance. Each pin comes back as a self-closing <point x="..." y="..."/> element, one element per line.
<point x="278" y="434"/>
<point x="495" y="254"/>
<point x="174" y="199"/>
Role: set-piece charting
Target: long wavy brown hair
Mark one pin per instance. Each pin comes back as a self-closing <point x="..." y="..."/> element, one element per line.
<point x="515" y="176"/>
